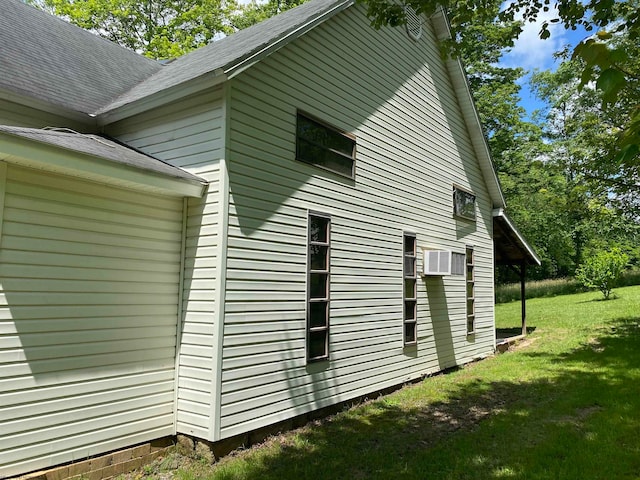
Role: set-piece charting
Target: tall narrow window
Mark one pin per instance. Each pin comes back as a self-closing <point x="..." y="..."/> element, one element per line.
<point x="318" y="279"/>
<point x="471" y="290"/>
<point x="410" y="290"/>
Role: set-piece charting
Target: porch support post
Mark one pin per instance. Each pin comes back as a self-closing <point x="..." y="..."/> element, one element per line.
<point x="523" y="302"/>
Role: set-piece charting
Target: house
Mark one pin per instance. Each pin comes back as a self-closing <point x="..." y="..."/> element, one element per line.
<point x="296" y="215"/>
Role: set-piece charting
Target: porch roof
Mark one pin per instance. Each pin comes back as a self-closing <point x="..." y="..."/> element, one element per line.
<point x="510" y="247"/>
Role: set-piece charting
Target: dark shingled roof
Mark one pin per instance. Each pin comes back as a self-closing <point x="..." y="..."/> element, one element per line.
<point x="228" y="52"/>
<point x="102" y="148"/>
<point x="44" y="57"/>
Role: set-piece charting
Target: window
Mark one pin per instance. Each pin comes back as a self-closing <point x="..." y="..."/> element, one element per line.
<point x="471" y="290"/>
<point x="458" y="261"/>
<point x="464" y="204"/>
<point x="325" y="147"/>
<point x="410" y="289"/>
<point x="318" y="279"/>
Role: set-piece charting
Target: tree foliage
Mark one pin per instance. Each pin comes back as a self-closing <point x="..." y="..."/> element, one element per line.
<point x="603" y="270"/>
<point x="159" y="29"/>
<point x="548" y="168"/>
<point x="570" y="177"/>
<point x="607" y="63"/>
<point x="256" y="11"/>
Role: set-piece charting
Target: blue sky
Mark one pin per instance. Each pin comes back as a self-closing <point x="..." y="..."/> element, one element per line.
<point x="531" y="53"/>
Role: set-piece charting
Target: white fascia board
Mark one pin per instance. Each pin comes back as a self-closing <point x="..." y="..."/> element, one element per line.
<point x="31" y="154"/>
<point x="162" y="97"/>
<point x="499" y="212"/>
<point x="470" y="113"/>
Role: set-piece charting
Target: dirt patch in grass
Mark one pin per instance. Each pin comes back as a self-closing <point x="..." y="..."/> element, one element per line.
<point x="425" y="424"/>
<point x="578" y="418"/>
<point x="527" y="342"/>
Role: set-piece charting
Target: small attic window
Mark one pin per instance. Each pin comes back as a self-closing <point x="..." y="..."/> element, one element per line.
<point x="464" y="203"/>
<point x="414" y="23"/>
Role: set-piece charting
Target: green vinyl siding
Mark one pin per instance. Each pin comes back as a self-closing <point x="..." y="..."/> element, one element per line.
<point x="88" y="306"/>
<point x="18" y="115"/>
<point x="190" y="134"/>
<point x="394" y="96"/>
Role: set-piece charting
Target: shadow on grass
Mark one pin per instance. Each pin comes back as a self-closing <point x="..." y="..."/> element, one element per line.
<point x="579" y="418"/>
<point x="512" y="331"/>
<point x="611" y="298"/>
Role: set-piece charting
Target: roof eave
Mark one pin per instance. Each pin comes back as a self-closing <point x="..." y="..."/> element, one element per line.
<point x="241" y="64"/>
<point x="42" y="156"/>
<point x="109" y="115"/>
<point x="501" y="214"/>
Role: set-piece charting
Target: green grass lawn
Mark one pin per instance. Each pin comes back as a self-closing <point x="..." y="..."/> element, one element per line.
<point x="565" y="404"/>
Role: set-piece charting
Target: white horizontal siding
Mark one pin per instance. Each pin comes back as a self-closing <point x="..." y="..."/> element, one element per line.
<point x="196" y="351"/>
<point x="18" y="115"/>
<point x="89" y="279"/>
<point x="189" y="134"/>
<point x="413" y="145"/>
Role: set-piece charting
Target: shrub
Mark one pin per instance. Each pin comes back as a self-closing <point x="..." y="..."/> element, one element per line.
<point x="510" y="292"/>
<point x="603" y="270"/>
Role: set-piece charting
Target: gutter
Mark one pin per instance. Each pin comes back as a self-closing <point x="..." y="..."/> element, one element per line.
<point x="42" y="156"/>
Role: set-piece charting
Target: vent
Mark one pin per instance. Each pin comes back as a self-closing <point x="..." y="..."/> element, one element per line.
<point x="414" y="23"/>
<point x="437" y="262"/>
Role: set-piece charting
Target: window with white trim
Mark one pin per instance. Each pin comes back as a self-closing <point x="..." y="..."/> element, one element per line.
<point x="410" y="298"/>
<point x="471" y="291"/>
<point x="318" y="281"/>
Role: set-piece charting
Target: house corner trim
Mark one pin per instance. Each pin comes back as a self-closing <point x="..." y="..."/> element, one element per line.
<point x="3" y="192"/>
<point x="221" y="270"/>
<point x="180" y="319"/>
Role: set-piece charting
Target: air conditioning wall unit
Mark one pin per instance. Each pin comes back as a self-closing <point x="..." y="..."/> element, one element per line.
<point x="436" y="262"/>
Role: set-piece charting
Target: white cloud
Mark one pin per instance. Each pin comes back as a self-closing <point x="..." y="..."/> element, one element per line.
<point x="529" y="51"/>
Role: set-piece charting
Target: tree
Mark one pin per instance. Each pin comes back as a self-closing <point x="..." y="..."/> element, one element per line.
<point x="577" y="130"/>
<point x="254" y="12"/>
<point x="495" y="88"/>
<point x="603" y="270"/>
<point x="158" y="29"/>
<point x="535" y="190"/>
<point x="611" y="66"/>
